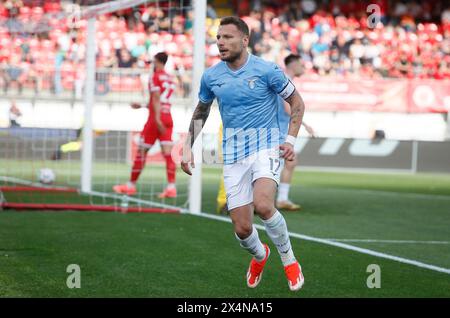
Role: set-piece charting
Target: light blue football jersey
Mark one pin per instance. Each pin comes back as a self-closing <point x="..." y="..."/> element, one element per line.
<point x="248" y="104"/>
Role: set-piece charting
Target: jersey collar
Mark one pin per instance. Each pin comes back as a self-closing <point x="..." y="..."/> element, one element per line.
<point x="239" y="69"/>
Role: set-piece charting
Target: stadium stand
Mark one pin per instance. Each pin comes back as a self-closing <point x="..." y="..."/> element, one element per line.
<point x="40" y="50"/>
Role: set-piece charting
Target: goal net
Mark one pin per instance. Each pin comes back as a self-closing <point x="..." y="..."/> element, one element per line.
<point x="67" y="131"/>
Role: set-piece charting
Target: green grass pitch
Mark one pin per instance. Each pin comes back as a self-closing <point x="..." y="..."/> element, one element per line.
<point x="161" y="255"/>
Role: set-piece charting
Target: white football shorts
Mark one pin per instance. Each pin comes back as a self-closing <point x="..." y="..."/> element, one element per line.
<point x="240" y="176"/>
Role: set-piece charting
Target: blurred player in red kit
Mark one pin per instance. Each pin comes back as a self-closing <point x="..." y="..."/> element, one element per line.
<point x="158" y="126"/>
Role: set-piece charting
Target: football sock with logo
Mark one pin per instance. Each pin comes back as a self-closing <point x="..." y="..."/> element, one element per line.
<point x="253" y="245"/>
<point x="276" y="228"/>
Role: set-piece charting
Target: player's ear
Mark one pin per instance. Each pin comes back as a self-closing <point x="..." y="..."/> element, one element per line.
<point x="245" y="40"/>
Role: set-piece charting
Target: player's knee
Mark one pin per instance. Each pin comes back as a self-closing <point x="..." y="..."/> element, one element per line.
<point x="168" y="157"/>
<point x="143" y="150"/>
<point x="243" y="230"/>
<point x="166" y="150"/>
<point x="264" y="208"/>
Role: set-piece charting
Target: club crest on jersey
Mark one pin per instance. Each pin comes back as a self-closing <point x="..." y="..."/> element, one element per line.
<point x="251" y="82"/>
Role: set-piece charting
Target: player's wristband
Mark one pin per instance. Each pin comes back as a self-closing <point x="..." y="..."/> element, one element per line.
<point x="291" y="140"/>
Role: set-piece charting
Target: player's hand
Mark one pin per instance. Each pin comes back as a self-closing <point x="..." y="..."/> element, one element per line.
<point x="161" y="127"/>
<point x="287" y="151"/>
<point x="187" y="160"/>
<point x="135" y="105"/>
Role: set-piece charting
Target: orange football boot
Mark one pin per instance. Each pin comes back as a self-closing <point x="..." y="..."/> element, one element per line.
<point x="168" y="193"/>
<point x="125" y="189"/>
<point x="294" y="276"/>
<point x="255" y="270"/>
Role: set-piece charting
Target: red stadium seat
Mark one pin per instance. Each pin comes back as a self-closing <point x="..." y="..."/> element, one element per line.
<point x="36" y="55"/>
<point x="68" y="75"/>
<point x="55" y="35"/>
<point x="167" y="38"/>
<point x="172" y="48"/>
<point x="142" y="37"/>
<point x="100" y="35"/>
<point x="18" y="42"/>
<point x="47" y="45"/>
<point x="3" y="11"/>
<point x="177" y="60"/>
<point x="25" y="12"/>
<point x="110" y="25"/>
<point x="180" y="38"/>
<point x="121" y="26"/>
<point x="154" y="37"/>
<point x="52" y="7"/>
<point x="113" y="35"/>
<point x="55" y="23"/>
<point x="431" y="27"/>
<point x="82" y="24"/>
<point x="37" y="11"/>
<point x="4" y="34"/>
<point x="5" y="42"/>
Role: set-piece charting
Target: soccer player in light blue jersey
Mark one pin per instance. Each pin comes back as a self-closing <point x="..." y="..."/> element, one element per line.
<point x="247" y="88"/>
<point x="293" y="68"/>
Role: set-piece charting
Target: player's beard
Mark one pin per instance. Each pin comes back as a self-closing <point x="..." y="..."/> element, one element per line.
<point x="232" y="57"/>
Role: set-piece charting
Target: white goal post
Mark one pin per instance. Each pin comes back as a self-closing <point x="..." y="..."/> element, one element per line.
<point x="195" y="189"/>
<point x="91" y="14"/>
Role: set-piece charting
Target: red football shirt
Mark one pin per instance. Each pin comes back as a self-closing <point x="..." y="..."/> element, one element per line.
<point x="163" y="83"/>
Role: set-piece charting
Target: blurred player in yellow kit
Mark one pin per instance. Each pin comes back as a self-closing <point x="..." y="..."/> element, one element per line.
<point x="221" y="196"/>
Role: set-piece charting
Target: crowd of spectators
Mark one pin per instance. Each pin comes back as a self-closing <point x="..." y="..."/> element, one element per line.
<point x="341" y="38"/>
<point x="41" y="47"/>
<point x="45" y="46"/>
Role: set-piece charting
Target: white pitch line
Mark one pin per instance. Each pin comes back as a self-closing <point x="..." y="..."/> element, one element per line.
<point x="342" y="245"/>
<point x="387" y="193"/>
<point x="386" y="241"/>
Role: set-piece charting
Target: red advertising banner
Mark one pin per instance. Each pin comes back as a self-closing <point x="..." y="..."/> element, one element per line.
<point x="429" y="96"/>
<point x="383" y="95"/>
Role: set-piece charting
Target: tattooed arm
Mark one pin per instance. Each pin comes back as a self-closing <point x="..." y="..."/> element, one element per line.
<point x="198" y="120"/>
<point x="297" y="111"/>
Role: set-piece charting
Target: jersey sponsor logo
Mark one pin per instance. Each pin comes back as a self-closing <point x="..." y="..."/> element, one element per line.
<point x="165" y="78"/>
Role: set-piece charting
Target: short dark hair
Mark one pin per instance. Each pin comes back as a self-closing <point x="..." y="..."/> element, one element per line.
<point x="238" y="22"/>
<point x="162" y="57"/>
<point x="291" y="58"/>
